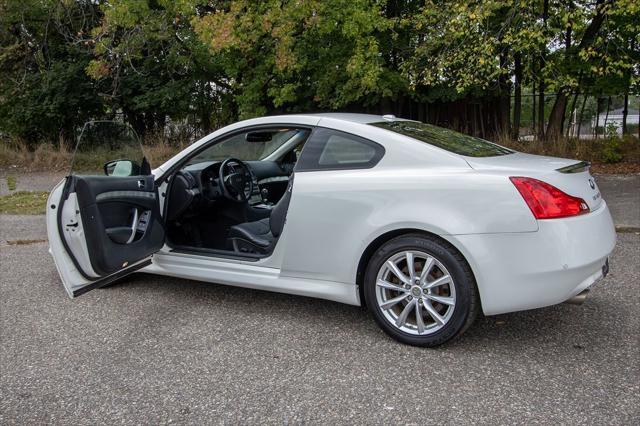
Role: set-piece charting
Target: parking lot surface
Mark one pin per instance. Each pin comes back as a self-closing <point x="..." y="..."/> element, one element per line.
<point x="622" y="193"/>
<point x="165" y="350"/>
<point x="161" y="350"/>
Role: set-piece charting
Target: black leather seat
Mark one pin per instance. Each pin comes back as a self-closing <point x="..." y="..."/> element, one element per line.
<point x="260" y="237"/>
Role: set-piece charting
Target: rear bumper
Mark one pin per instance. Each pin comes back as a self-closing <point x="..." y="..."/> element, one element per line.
<point x="520" y="271"/>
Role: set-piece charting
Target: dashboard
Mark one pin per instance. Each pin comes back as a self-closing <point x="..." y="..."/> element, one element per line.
<point x="198" y="184"/>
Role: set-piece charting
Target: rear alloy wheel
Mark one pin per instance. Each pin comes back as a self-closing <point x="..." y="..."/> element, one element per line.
<point x="420" y="290"/>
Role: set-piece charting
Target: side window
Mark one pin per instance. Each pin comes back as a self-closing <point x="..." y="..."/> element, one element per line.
<point x="329" y="149"/>
<point x="109" y="148"/>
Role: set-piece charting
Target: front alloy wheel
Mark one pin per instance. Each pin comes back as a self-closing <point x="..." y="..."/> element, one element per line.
<point x="420" y="290"/>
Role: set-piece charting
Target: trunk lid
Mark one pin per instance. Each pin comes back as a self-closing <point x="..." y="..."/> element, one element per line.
<point x="570" y="176"/>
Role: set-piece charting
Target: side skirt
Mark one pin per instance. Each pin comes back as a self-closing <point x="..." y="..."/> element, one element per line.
<point x="251" y="276"/>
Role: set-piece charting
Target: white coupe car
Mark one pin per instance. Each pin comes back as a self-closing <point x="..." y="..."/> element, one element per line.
<point x="423" y="225"/>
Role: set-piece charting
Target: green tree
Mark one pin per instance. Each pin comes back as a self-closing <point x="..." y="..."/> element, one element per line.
<point x="148" y="56"/>
<point x="199" y="64"/>
<point x="44" y="91"/>
<point x="291" y="55"/>
<point x="578" y="29"/>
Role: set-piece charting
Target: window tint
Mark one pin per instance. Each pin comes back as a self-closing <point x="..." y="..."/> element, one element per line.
<point x="455" y="142"/>
<point x="340" y="150"/>
<point x="331" y="149"/>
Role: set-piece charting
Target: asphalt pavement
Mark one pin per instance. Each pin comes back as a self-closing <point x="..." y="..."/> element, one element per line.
<point x="622" y="194"/>
<point x="163" y="350"/>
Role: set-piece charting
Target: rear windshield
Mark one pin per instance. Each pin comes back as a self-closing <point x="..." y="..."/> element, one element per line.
<point x="455" y="142"/>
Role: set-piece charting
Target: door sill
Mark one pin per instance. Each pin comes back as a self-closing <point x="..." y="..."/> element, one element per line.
<point x="222" y="254"/>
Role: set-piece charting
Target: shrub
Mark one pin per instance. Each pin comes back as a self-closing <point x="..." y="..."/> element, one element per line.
<point x="612" y="152"/>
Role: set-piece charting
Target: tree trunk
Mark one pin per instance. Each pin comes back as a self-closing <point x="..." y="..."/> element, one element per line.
<point x="572" y="113"/>
<point x="541" y="109"/>
<point x="533" y="107"/>
<point x="136" y="120"/>
<point x="465" y="118"/>
<point x="474" y="119"/>
<point x="573" y="105"/>
<point x="598" y="105"/>
<point x="606" y="117"/>
<point x="584" y="103"/>
<point x="481" y="115"/>
<point x="541" y="86"/>
<point x="625" y="112"/>
<point x="517" y="97"/>
<point x="559" y="109"/>
<point x="554" y="127"/>
<point x="504" y="118"/>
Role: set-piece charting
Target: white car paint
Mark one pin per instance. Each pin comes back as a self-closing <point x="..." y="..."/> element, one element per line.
<point x="518" y="262"/>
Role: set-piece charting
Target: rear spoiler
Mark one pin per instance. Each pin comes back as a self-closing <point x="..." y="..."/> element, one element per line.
<point x="580" y="167"/>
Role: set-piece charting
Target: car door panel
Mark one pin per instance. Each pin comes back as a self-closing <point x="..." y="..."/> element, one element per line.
<point x="102" y="228"/>
<point x="68" y="247"/>
<point x="107" y="206"/>
<point x="105" y="188"/>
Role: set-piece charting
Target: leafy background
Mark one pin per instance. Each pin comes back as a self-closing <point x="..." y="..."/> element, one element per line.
<point x="178" y="69"/>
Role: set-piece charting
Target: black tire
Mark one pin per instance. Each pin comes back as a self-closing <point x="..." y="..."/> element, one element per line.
<point x="467" y="302"/>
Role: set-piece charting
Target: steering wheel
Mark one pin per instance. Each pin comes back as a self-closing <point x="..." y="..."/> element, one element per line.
<point x="234" y="176"/>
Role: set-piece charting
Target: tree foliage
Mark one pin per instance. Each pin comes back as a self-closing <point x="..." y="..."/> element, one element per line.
<point x="44" y="91"/>
<point x="297" y="55"/>
<point x="163" y="63"/>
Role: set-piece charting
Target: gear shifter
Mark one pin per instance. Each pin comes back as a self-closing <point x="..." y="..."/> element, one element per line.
<point x="264" y="193"/>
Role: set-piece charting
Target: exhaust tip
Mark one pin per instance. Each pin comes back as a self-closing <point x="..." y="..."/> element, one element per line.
<point x="579" y="298"/>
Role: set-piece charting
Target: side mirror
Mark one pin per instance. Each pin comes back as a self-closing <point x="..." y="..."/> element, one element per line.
<point x="121" y="168"/>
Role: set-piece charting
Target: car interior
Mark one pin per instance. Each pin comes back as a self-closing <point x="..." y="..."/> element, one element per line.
<point x="232" y="197"/>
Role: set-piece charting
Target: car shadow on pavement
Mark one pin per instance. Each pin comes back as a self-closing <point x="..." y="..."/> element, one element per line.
<point x="572" y="326"/>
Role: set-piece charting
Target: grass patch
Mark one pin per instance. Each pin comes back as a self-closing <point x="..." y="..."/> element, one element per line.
<point x="24" y="202"/>
<point x="11" y="183"/>
<point x="24" y="242"/>
<point x="628" y="229"/>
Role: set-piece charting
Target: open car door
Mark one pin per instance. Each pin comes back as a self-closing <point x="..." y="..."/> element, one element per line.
<point x="102" y="227"/>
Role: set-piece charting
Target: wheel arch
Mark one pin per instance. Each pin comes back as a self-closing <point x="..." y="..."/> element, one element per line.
<point x="390" y="235"/>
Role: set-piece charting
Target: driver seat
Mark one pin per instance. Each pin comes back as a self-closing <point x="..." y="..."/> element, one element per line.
<point x="260" y="237"/>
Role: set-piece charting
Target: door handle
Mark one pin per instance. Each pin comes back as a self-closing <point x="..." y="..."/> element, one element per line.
<point x="134" y="226"/>
<point x="141" y="184"/>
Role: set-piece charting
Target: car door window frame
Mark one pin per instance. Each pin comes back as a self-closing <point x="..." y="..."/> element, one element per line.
<point x="315" y="145"/>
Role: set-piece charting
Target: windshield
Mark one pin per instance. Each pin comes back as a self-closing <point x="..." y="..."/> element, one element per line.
<point x="449" y="140"/>
<point x="247" y="146"/>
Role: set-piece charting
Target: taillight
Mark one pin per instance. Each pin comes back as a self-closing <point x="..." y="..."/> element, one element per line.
<point x="546" y="201"/>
